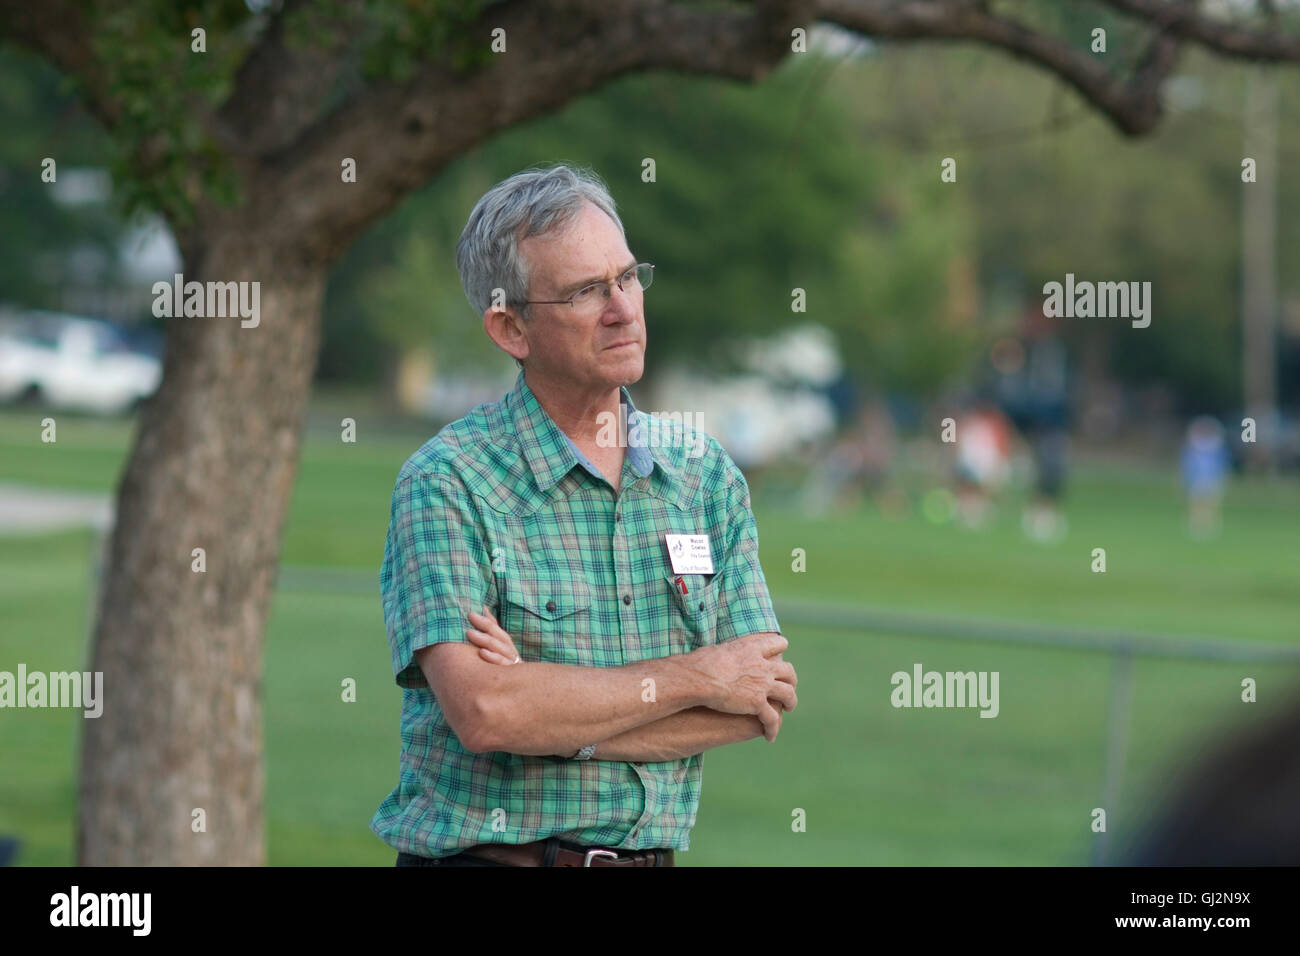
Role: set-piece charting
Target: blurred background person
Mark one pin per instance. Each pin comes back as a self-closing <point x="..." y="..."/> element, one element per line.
<point x="1205" y="464"/>
<point x="1034" y="388"/>
<point x="983" y="462"/>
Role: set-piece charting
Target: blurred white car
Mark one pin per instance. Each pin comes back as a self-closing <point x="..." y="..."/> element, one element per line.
<point x="77" y="364"/>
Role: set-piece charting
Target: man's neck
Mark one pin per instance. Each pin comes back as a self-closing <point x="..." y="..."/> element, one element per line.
<point x="578" y="415"/>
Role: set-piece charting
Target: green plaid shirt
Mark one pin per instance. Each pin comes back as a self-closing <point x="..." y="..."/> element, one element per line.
<point x="501" y="509"/>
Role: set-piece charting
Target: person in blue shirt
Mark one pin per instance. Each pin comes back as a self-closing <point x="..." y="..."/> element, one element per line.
<point x="1205" y="464"/>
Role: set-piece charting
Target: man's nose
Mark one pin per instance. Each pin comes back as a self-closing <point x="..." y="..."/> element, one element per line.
<point x="621" y="304"/>
<point x="619" y="308"/>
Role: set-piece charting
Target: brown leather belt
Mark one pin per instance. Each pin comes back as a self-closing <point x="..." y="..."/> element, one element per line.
<point x="558" y="853"/>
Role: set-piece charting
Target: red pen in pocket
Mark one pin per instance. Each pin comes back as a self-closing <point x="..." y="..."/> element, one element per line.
<point x="680" y="582"/>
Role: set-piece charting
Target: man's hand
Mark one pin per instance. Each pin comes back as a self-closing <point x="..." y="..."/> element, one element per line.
<point x="750" y="677"/>
<point x="493" y="643"/>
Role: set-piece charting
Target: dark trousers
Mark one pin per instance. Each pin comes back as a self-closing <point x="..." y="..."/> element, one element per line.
<point x="458" y="859"/>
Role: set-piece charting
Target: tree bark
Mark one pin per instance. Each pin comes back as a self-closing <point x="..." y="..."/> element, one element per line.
<point x="215" y="456"/>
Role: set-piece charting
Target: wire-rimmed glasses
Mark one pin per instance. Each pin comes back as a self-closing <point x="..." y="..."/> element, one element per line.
<point x="594" y="297"/>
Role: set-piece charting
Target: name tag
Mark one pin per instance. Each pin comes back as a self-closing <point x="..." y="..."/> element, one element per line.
<point x="690" y="553"/>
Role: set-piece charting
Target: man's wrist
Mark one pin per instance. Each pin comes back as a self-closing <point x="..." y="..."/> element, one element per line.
<point x="694" y="677"/>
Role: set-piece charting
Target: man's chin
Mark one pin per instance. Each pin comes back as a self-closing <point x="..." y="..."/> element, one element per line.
<point x="628" y="370"/>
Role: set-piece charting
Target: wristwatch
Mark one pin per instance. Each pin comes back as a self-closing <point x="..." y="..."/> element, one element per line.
<point x="585" y="753"/>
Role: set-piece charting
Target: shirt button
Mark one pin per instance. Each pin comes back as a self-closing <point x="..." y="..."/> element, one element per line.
<point x="618" y="518"/>
<point x="627" y="599"/>
<point x="550" y="606"/>
<point x="701" y="605"/>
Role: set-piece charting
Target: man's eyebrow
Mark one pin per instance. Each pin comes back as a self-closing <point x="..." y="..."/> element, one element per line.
<point x="583" y="283"/>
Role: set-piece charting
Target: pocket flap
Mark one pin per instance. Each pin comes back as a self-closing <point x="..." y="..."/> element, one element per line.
<point x="550" y="599"/>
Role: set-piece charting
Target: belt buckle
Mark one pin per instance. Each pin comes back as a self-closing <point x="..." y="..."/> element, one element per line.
<point x="586" y="860"/>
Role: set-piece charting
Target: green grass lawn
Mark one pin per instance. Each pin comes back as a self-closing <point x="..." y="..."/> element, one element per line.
<point x="877" y="784"/>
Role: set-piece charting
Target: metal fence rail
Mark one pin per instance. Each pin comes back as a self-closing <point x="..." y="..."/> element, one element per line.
<point x="993" y="631"/>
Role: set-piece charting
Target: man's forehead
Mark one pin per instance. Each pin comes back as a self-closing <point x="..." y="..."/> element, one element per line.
<point x="576" y="252"/>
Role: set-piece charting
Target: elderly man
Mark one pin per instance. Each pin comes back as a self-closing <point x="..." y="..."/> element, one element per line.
<point x="575" y="614"/>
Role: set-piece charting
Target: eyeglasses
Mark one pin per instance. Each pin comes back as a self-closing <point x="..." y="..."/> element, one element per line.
<point x="593" y="298"/>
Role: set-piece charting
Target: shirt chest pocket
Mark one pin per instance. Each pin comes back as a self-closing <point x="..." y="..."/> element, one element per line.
<point x="549" y="619"/>
<point x="695" y="612"/>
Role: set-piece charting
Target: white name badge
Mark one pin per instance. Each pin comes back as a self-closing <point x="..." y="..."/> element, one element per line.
<point x="690" y="553"/>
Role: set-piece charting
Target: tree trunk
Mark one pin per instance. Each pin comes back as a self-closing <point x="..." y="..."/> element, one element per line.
<point x="213" y="465"/>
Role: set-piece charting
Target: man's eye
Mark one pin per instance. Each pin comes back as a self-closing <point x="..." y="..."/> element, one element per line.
<point x="584" y="293"/>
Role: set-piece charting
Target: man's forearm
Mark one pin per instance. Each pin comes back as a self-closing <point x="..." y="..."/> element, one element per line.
<point x="542" y="709"/>
<point x="680" y="735"/>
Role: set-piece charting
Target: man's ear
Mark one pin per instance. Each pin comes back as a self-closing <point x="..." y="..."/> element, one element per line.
<point x="505" y="327"/>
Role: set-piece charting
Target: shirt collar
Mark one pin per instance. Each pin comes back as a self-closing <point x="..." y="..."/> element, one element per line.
<point x="551" y="454"/>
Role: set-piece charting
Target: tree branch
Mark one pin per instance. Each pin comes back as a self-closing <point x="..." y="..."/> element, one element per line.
<point x="1185" y="21"/>
<point x="281" y="87"/>
<point x="289" y="146"/>
<point x="1133" y="105"/>
<point x="400" y="135"/>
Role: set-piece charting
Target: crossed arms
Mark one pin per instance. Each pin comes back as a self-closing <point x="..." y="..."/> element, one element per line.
<point x="715" y="695"/>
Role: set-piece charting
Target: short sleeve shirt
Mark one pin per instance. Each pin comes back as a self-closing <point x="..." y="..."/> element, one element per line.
<point x="501" y="509"/>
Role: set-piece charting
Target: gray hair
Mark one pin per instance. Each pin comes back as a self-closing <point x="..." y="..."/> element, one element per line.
<point x="530" y="203"/>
